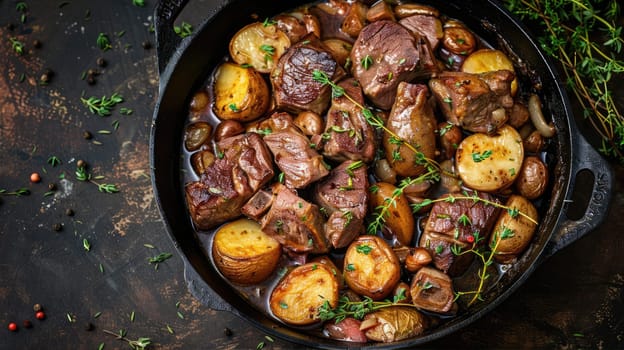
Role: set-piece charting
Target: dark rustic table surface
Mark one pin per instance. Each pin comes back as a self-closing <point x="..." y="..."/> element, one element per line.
<point x="91" y="271"/>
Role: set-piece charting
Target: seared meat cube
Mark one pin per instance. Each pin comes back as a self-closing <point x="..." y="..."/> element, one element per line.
<point x="294" y="156"/>
<point x="344" y="196"/>
<point x="427" y="26"/>
<point x="294" y="222"/>
<point x="457" y="222"/>
<point x="385" y="54"/>
<point x="476" y="102"/>
<point x="225" y="186"/>
<point x="258" y="205"/>
<point x="294" y="87"/>
<point x="412" y="120"/>
<point x="347" y="133"/>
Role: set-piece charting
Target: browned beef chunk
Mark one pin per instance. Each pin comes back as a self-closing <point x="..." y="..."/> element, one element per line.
<point x="347" y="133"/>
<point x="476" y="102"/>
<point x="386" y="53"/>
<point x="230" y="181"/>
<point x="344" y="196"/>
<point x="413" y="121"/>
<point x="427" y="26"/>
<point x="294" y="28"/>
<point x="294" y="222"/>
<point x="457" y="222"/>
<point x="258" y="205"/>
<point x="300" y="163"/>
<point x="294" y="87"/>
<point x="432" y="290"/>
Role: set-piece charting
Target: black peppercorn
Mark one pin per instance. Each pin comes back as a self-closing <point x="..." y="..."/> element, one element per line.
<point x="27" y="324"/>
<point x="146" y="45"/>
<point x="90" y="80"/>
<point x="87" y="135"/>
<point x="81" y="163"/>
<point x="37" y="307"/>
<point x="227" y="332"/>
<point x="89" y="326"/>
<point x="57" y="227"/>
<point x="52" y="186"/>
<point x="101" y="62"/>
<point x="36" y="44"/>
<point x="69" y="212"/>
<point x="10" y="26"/>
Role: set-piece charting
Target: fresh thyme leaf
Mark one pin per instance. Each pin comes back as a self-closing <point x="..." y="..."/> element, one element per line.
<point x="139" y="3"/>
<point x="17" y="45"/>
<point x="479" y="157"/>
<point x="103" y="42"/>
<point x="184" y="30"/>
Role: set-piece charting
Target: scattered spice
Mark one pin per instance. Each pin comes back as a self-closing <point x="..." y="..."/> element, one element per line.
<point x="57" y="227"/>
<point x="146" y="45"/>
<point x="40" y="315"/>
<point x="13" y="327"/>
<point x="101" y="62"/>
<point x="89" y="326"/>
<point x="27" y="324"/>
<point x="52" y="186"/>
<point x="227" y="332"/>
<point x="87" y="135"/>
<point x="69" y="212"/>
<point x="36" y="44"/>
<point x="37" y="307"/>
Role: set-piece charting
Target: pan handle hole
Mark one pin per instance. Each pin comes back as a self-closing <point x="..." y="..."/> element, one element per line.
<point x="581" y="194"/>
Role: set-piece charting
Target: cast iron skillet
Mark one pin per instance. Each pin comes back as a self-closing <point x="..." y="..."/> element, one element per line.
<point x="184" y="66"/>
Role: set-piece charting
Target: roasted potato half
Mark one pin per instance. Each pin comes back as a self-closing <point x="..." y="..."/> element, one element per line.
<point x="297" y="298"/>
<point x="490" y="162"/>
<point x="243" y="253"/>
<point x="487" y="60"/>
<point x="394" y="324"/>
<point x="370" y="267"/>
<point x="241" y="93"/>
<point x="399" y="220"/>
<point x="259" y="45"/>
<point x="514" y="229"/>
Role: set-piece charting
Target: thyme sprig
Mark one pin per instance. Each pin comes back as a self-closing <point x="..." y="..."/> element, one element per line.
<point x="486" y="258"/>
<point x="102" y="106"/>
<point x="17" y="46"/>
<point x="83" y="175"/>
<point x="357" y="309"/>
<point x="103" y="42"/>
<point x="183" y="30"/>
<point x="140" y="344"/>
<point x="18" y="193"/>
<point x="570" y="32"/>
<point x="513" y="212"/>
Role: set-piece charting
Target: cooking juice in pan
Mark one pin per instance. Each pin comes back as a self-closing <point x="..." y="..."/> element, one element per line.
<point x="361" y="164"/>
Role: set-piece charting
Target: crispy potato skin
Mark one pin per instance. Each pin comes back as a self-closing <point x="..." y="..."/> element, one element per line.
<point x="297" y="297"/>
<point x="399" y="221"/>
<point x="490" y="163"/>
<point x="522" y="229"/>
<point x="241" y="94"/>
<point x="259" y="46"/>
<point x="371" y="268"/>
<point x="243" y="253"/>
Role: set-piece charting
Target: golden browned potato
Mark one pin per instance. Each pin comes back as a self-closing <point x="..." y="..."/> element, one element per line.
<point x="533" y="178"/>
<point x="259" y="45"/>
<point x="243" y="253"/>
<point x="487" y="60"/>
<point x="228" y="128"/>
<point x="490" y="162"/>
<point x="370" y="267"/>
<point x="394" y="323"/>
<point x="196" y="134"/>
<point x="297" y="298"/>
<point x="513" y="233"/>
<point x="399" y="220"/>
<point x="241" y="93"/>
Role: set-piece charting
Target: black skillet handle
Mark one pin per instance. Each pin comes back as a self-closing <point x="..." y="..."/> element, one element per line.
<point x="202" y="292"/>
<point x="167" y="41"/>
<point x="586" y="158"/>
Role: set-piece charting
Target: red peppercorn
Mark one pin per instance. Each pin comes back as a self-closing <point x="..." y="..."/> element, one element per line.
<point x="13" y="327"/>
<point x="35" y="177"/>
<point x="40" y="315"/>
<point x="470" y="239"/>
